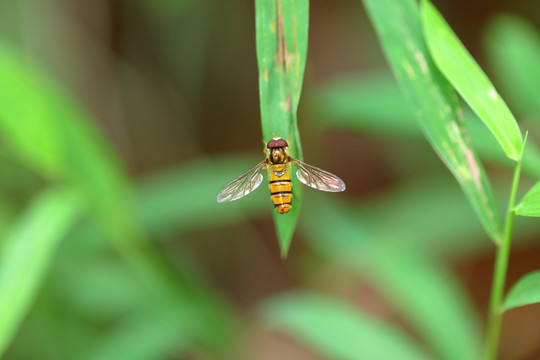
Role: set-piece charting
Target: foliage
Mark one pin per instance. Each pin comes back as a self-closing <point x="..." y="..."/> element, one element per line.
<point x="98" y="263"/>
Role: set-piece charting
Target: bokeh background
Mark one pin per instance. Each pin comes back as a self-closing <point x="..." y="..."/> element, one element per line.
<point x="164" y="98"/>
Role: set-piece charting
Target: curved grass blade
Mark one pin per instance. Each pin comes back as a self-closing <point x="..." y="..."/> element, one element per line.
<point x="338" y="330"/>
<point x="526" y="291"/>
<point x="281" y="36"/>
<point x="459" y="67"/>
<point x="434" y="102"/>
<point x="27" y="251"/>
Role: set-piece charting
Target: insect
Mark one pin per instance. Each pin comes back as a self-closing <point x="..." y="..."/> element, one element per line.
<point x="278" y="163"/>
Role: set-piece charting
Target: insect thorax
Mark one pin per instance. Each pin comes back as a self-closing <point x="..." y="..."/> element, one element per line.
<point x="278" y="155"/>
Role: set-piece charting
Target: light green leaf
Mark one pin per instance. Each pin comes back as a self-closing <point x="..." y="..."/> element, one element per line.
<point x="338" y="330"/>
<point x="530" y="204"/>
<point x="459" y="67"/>
<point x="434" y="102"/>
<point x="281" y="36"/>
<point x="27" y="252"/>
<point x="526" y="291"/>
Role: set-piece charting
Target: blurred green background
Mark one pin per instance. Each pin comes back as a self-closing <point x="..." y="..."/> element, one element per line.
<point x="119" y="122"/>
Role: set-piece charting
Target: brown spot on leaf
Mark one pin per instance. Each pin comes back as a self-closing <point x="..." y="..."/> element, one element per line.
<point x="281" y="52"/>
<point x="289" y="107"/>
<point x="266" y="75"/>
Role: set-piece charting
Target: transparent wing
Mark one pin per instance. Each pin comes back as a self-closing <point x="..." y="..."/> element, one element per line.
<point x="242" y="185"/>
<point x="317" y="178"/>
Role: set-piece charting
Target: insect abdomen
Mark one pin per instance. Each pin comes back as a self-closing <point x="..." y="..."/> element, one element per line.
<point x="281" y="188"/>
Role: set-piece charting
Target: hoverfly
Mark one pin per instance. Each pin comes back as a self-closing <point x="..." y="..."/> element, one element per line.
<point x="278" y="163"/>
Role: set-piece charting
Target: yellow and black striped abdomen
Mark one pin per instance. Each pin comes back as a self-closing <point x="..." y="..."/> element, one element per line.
<point x="281" y="187"/>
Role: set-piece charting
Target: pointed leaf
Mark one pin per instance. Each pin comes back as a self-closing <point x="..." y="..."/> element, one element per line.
<point x="434" y="102"/>
<point x="338" y="330"/>
<point x="281" y="36"/>
<point x="526" y="291"/>
<point x="530" y="204"/>
<point x="469" y="80"/>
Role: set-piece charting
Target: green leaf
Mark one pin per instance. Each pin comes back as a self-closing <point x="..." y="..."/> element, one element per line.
<point x="426" y="293"/>
<point x="530" y="204"/>
<point x="281" y="37"/>
<point x="526" y="291"/>
<point x="513" y="46"/>
<point x="469" y="80"/>
<point x="434" y="102"/>
<point x="338" y="330"/>
<point x="27" y="252"/>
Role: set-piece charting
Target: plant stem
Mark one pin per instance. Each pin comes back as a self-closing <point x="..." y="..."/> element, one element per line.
<point x="499" y="274"/>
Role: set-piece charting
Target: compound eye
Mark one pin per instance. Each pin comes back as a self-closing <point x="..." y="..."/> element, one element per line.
<point x="272" y="144"/>
<point x="281" y="143"/>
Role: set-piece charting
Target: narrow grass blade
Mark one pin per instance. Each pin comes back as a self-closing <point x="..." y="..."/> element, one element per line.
<point x="434" y="102"/>
<point x="513" y="46"/>
<point x="530" y="204"/>
<point x="526" y="291"/>
<point x="27" y="251"/>
<point x="338" y="330"/>
<point x="459" y="67"/>
<point x="281" y="37"/>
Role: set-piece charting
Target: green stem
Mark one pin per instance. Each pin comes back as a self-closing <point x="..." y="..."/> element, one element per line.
<point x="499" y="274"/>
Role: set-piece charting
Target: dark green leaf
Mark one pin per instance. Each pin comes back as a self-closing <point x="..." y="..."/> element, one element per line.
<point x="281" y="36"/>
